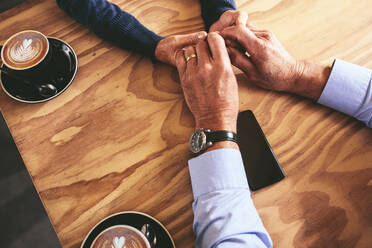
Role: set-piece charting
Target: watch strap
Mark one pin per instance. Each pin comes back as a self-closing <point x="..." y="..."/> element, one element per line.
<point x="221" y="135"/>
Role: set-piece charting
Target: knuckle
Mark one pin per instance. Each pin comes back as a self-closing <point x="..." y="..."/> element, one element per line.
<point x="205" y="70"/>
<point x="179" y="55"/>
<point x="269" y="34"/>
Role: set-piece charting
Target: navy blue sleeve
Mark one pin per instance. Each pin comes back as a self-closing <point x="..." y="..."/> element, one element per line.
<point x="213" y="9"/>
<point x="113" y="24"/>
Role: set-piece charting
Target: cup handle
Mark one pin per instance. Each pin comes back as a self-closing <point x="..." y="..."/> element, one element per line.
<point x="149" y="233"/>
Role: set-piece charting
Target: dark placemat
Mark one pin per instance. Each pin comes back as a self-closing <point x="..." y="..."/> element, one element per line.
<point x="24" y="221"/>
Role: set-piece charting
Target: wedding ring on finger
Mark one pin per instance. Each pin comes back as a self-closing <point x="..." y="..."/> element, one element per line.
<point x="247" y="54"/>
<point x="190" y="57"/>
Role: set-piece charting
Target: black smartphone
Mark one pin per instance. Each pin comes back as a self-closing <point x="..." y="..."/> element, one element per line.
<point x="261" y="166"/>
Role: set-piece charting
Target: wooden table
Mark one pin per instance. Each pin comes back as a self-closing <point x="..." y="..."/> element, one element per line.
<point x="117" y="139"/>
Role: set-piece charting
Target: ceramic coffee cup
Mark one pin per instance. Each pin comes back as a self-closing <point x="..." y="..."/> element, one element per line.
<point x="121" y="236"/>
<point x="26" y="55"/>
<point x="156" y="233"/>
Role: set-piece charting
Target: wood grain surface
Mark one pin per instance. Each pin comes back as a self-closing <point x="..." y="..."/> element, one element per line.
<point x="116" y="140"/>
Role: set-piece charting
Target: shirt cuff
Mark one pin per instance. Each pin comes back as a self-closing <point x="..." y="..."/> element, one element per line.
<point x="219" y="169"/>
<point x="346" y="87"/>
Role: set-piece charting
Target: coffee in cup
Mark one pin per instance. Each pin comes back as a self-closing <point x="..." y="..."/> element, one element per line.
<point x="120" y="236"/>
<point x="25" y="50"/>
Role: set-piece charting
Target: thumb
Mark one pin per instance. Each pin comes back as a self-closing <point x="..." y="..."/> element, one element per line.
<point x="242" y="18"/>
<point x="189" y="39"/>
<point x="245" y="37"/>
<point x="225" y="20"/>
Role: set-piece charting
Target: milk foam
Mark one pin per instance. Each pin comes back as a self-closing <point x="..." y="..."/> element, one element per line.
<point x="24" y="51"/>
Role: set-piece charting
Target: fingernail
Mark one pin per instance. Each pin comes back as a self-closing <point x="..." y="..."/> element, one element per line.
<point x="202" y="35"/>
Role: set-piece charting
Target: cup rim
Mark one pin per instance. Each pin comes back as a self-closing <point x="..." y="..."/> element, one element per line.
<point x="126" y="226"/>
<point x="32" y="66"/>
<point x="127" y="212"/>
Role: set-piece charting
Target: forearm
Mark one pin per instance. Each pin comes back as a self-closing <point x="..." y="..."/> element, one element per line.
<point x="211" y="10"/>
<point x="344" y="87"/>
<point x="224" y="214"/>
<point x="111" y="23"/>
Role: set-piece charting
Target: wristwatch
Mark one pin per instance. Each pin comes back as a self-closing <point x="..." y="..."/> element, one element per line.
<point x="204" y="138"/>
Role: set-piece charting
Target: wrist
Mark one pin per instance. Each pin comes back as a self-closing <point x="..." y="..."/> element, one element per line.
<point x="310" y="80"/>
<point x="158" y="53"/>
<point x="217" y="123"/>
<point x="218" y="140"/>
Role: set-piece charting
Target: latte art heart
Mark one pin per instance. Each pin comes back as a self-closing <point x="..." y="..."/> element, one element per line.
<point x="24" y="52"/>
<point x="120" y="236"/>
<point x="118" y="242"/>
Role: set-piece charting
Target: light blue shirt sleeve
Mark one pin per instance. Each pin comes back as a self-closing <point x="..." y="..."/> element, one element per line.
<point x="349" y="90"/>
<point x="224" y="214"/>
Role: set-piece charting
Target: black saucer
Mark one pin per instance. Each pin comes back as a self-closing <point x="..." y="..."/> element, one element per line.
<point x="136" y="220"/>
<point x="62" y="70"/>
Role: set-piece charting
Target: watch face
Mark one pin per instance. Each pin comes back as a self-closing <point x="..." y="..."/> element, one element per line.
<point x="197" y="141"/>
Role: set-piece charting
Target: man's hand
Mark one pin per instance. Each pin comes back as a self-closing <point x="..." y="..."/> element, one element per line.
<point x="166" y="48"/>
<point x="229" y="18"/>
<point x="209" y="84"/>
<point x="270" y="66"/>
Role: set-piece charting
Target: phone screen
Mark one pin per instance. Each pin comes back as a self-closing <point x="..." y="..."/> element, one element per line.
<point x="261" y="166"/>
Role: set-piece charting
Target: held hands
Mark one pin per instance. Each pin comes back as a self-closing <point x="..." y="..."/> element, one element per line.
<point x="209" y="84"/>
<point x="206" y="74"/>
<point x="229" y="18"/>
<point x="166" y="48"/>
<point x="207" y="79"/>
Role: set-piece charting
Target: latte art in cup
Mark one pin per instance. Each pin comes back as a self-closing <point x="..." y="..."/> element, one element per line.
<point x="25" y="50"/>
<point x="120" y="236"/>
